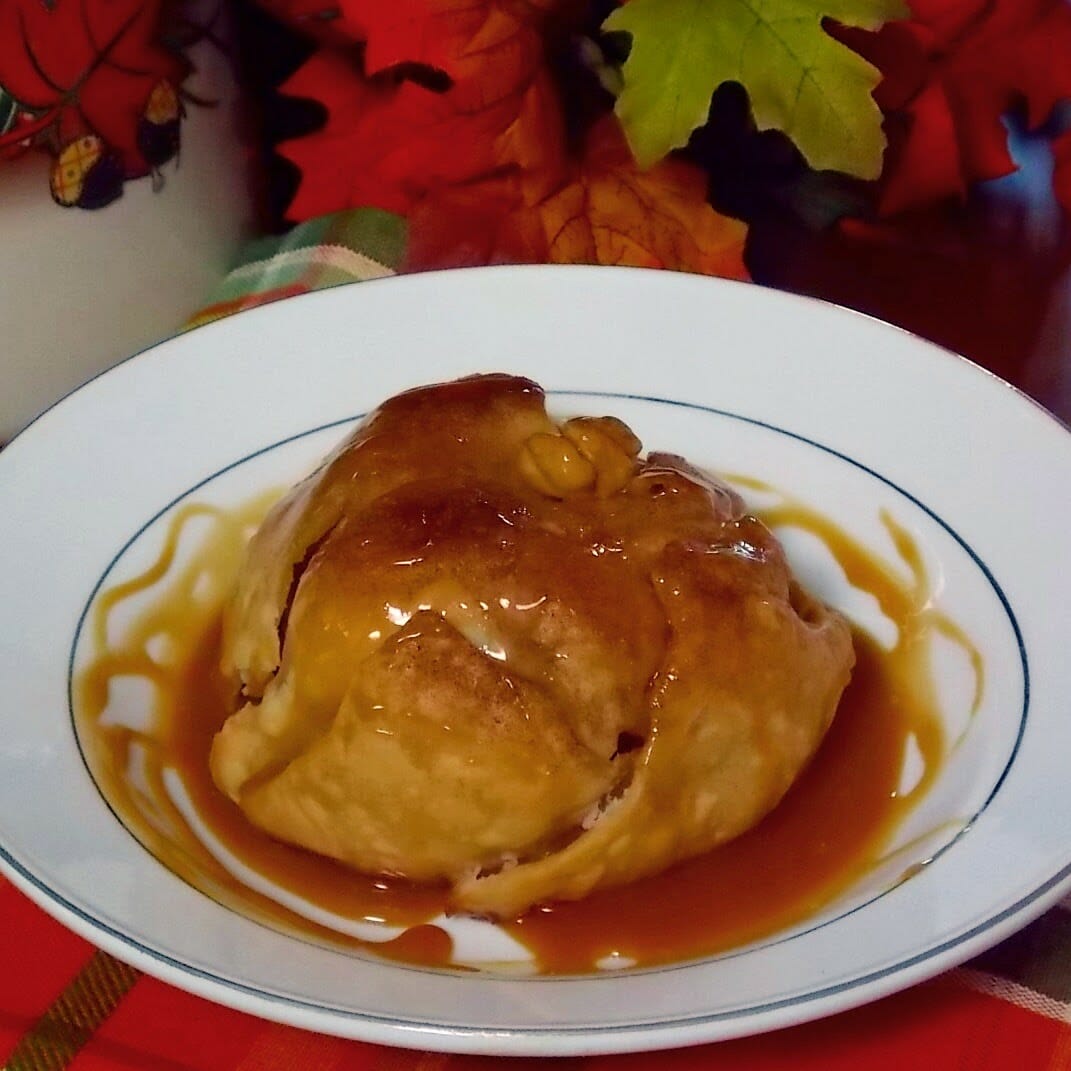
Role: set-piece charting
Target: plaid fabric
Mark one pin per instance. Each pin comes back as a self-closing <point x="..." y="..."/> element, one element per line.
<point x="343" y="248"/>
<point x="64" y="1004"/>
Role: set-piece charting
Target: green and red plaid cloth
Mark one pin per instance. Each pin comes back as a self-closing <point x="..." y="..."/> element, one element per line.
<point x="346" y="247"/>
<point x="64" y="1004"/>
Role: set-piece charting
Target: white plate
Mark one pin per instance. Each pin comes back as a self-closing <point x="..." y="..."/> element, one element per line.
<point x="854" y="416"/>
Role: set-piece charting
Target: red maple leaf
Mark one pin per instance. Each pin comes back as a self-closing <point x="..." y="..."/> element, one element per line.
<point x="491" y="46"/>
<point x="951" y="74"/>
<point x="86" y="66"/>
<point x="388" y="144"/>
<point x="480" y="169"/>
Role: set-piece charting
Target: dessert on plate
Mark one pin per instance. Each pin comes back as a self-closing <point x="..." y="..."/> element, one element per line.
<point x="481" y="648"/>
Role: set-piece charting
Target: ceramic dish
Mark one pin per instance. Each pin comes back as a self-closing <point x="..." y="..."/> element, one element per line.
<point x="858" y="419"/>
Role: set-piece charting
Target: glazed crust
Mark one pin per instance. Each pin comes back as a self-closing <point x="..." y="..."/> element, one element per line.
<point x="480" y="649"/>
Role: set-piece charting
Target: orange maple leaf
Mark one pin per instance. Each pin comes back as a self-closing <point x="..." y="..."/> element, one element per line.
<point x="609" y="212"/>
<point x="616" y="213"/>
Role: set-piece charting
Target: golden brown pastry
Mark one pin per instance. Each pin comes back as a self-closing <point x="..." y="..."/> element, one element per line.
<point x="480" y="648"/>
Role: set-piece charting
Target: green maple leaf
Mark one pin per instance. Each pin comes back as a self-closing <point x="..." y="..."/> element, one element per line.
<point x="800" y="80"/>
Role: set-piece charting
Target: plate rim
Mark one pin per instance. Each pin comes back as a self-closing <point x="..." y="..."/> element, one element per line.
<point x="787" y="297"/>
<point x="681" y="1032"/>
<point x="352" y="420"/>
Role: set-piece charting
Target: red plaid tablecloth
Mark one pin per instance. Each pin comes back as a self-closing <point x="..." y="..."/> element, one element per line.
<point x="64" y="1004"/>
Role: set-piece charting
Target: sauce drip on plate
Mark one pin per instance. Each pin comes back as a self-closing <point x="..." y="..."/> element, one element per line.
<point x="830" y="829"/>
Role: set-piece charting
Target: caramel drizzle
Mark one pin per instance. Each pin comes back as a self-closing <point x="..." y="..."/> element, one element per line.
<point x="911" y="607"/>
<point x="132" y="763"/>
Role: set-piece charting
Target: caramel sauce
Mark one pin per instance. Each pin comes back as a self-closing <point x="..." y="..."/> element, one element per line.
<point x="191" y="702"/>
<point x="832" y="825"/>
<point x="829" y="830"/>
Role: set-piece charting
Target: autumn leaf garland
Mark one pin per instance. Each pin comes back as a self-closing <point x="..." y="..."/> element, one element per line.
<point x="915" y="95"/>
<point x="428" y="102"/>
<point x="455" y="113"/>
<point x="483" y="163"/>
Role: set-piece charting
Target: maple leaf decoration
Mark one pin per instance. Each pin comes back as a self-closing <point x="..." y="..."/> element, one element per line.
<point x="800" y="80"/>
<point x="383" y="145"/>
<point x="609" y="212"/>
<point x="390" y="141"/>
<point x="613" y="212"/>
<point x="495" y="44"/>
<point x="951" y="74"/>
<point x="482" y="169"/>
<point x="85" y="67"/>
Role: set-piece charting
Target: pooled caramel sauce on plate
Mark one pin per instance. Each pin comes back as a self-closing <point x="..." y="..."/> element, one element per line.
<point x="832" y="827"/>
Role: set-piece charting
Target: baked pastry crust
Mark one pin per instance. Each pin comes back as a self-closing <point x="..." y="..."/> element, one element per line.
<point x="478" y="648"/>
